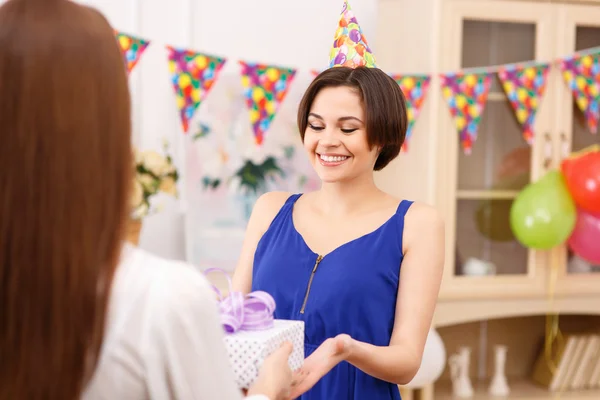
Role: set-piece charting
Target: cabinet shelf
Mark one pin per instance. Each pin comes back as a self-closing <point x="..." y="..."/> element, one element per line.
<point x="454" y="312"/>
<point x="520" y="390"/>
<point x="486" y="194"/>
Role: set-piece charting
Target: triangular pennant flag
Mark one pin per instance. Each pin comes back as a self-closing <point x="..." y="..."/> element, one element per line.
<point x="524" y="85"/>
<point x="265" y="88"/>
<point x="466" y="95"/>
<point x="582" y="74"/>
<point x="350" y="48"/>
<point x="132" y="48"/>
<point x="192" y="75"/>
<point x="414" y="88"/>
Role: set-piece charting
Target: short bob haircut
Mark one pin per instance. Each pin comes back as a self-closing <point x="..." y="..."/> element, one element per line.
<point x="383" y="102"/>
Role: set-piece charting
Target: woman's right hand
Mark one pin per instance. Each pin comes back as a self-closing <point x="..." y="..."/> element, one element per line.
<point x="275" y="376"/>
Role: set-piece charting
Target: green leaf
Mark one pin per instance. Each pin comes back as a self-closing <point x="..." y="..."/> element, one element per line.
<point x="289" y="151"/>
<point x="210" y="183"/>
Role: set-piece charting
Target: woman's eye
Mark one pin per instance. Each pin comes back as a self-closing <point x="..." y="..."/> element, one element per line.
<point x="315" y="128"/>
<point x="348" y="130"/>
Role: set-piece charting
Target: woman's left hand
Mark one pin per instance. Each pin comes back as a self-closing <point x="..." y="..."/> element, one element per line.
<point x="320" y="362"/>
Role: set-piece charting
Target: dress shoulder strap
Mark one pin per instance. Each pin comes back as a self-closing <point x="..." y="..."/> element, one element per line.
<point x="403" y="207"/>
<point x="281" y="216"/>
<point x="292" y="199"/>
<point x="400" y="214"/>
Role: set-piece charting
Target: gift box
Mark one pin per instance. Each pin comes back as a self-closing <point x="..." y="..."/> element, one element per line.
<point x="252" y="333"/>
<point x="248" y="349"/>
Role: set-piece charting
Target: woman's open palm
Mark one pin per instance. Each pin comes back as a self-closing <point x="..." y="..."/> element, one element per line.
<point x="320" y="362"/>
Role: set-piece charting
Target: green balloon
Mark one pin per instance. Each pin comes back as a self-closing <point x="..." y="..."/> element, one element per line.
<point x="543" y="215"/>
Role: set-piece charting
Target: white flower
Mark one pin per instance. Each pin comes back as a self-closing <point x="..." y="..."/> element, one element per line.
<point x="148" y="182"/>
<point x="255" y="154"/>
<point x="214" y="165"/>
<point x="140" y="212"/>
<point x="155" y="163"/>
<point x="137" y="156"/>
<point x="234" y="184"/>
<point x="167" y="185"/>
<point x="137" y="196"/>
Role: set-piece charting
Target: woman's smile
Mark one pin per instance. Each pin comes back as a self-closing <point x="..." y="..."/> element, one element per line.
<point x="331" y="160"/>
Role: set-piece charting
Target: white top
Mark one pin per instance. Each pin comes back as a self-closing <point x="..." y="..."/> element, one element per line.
<point x="163" y="340"/>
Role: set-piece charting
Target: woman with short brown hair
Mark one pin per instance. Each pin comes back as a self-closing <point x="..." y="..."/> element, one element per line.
<point x="361" y="268"/>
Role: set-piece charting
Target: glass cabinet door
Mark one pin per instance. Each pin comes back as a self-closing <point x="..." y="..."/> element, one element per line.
<point x="581" y="27"/>
<point x="499" y="165"/>
<point x="485" y="182"/>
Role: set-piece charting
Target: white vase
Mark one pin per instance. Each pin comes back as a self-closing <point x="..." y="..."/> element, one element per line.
<point x="459" y="373"/>
<point x="432" y="363"/>
<point x="499" y="385"/>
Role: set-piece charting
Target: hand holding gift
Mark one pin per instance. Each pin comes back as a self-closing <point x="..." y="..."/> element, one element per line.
<point x="275" y="379"/>
<point x="253" y="335"/>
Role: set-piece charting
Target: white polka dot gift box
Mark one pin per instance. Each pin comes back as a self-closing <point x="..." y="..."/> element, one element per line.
<point x="248" y="349"/>
<point x="252" y="333"/>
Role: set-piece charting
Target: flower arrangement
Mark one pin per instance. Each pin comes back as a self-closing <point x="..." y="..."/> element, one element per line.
<point x="235" y="161"/>
<point x="224" y="160"/>
<point x="154" y="173"/>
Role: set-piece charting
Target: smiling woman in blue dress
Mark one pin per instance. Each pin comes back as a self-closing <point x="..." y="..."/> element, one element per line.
<point x="360" y="267"/>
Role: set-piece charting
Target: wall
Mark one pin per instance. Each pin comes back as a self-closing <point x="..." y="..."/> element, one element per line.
<point x="403" y="34"/>
<point x="408" y="34"/>
<point x="296" y="34"/>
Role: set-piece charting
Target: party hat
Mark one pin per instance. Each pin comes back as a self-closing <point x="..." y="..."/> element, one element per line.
<point x="350" y="48"/>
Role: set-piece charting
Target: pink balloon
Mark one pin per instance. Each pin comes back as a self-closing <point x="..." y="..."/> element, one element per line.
<point x="585" y="239"/>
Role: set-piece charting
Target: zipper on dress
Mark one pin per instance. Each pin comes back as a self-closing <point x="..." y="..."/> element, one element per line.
<point x="312" y="275"/>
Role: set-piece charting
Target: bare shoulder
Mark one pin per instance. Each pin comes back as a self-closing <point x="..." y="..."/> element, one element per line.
<point x="420" y="213"/>
<point x="423" y="222"/>
<point x="271" y="200"/>
<point x="266" y="208"/>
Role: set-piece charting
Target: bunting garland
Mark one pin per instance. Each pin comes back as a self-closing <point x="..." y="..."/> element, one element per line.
<point x="132" y="49"/>
<point x="414" y="88"/>
<point x="265" y="87"/>
<point x="466" y="95"/>
<point x="582" y="74"/>
<point x="192" y="75"/>
<point x="524" y="85"/>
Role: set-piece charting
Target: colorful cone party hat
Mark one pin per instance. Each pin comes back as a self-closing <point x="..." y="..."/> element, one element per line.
<point x="350" y="48"/>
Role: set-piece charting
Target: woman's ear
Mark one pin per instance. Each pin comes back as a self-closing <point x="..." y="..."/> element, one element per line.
<point x="378" y="149"/>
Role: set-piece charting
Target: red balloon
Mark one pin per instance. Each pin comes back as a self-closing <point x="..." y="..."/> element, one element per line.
<point x="582" y="174"/>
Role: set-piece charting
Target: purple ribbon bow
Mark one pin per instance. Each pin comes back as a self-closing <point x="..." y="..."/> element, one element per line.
<point x="252" y="312"/>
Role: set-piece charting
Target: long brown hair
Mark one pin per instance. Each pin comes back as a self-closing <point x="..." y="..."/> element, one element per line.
<point x="65" y="173"/>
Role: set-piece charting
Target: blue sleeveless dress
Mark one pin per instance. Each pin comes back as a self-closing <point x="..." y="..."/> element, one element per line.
<point x="351" y="290"/>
